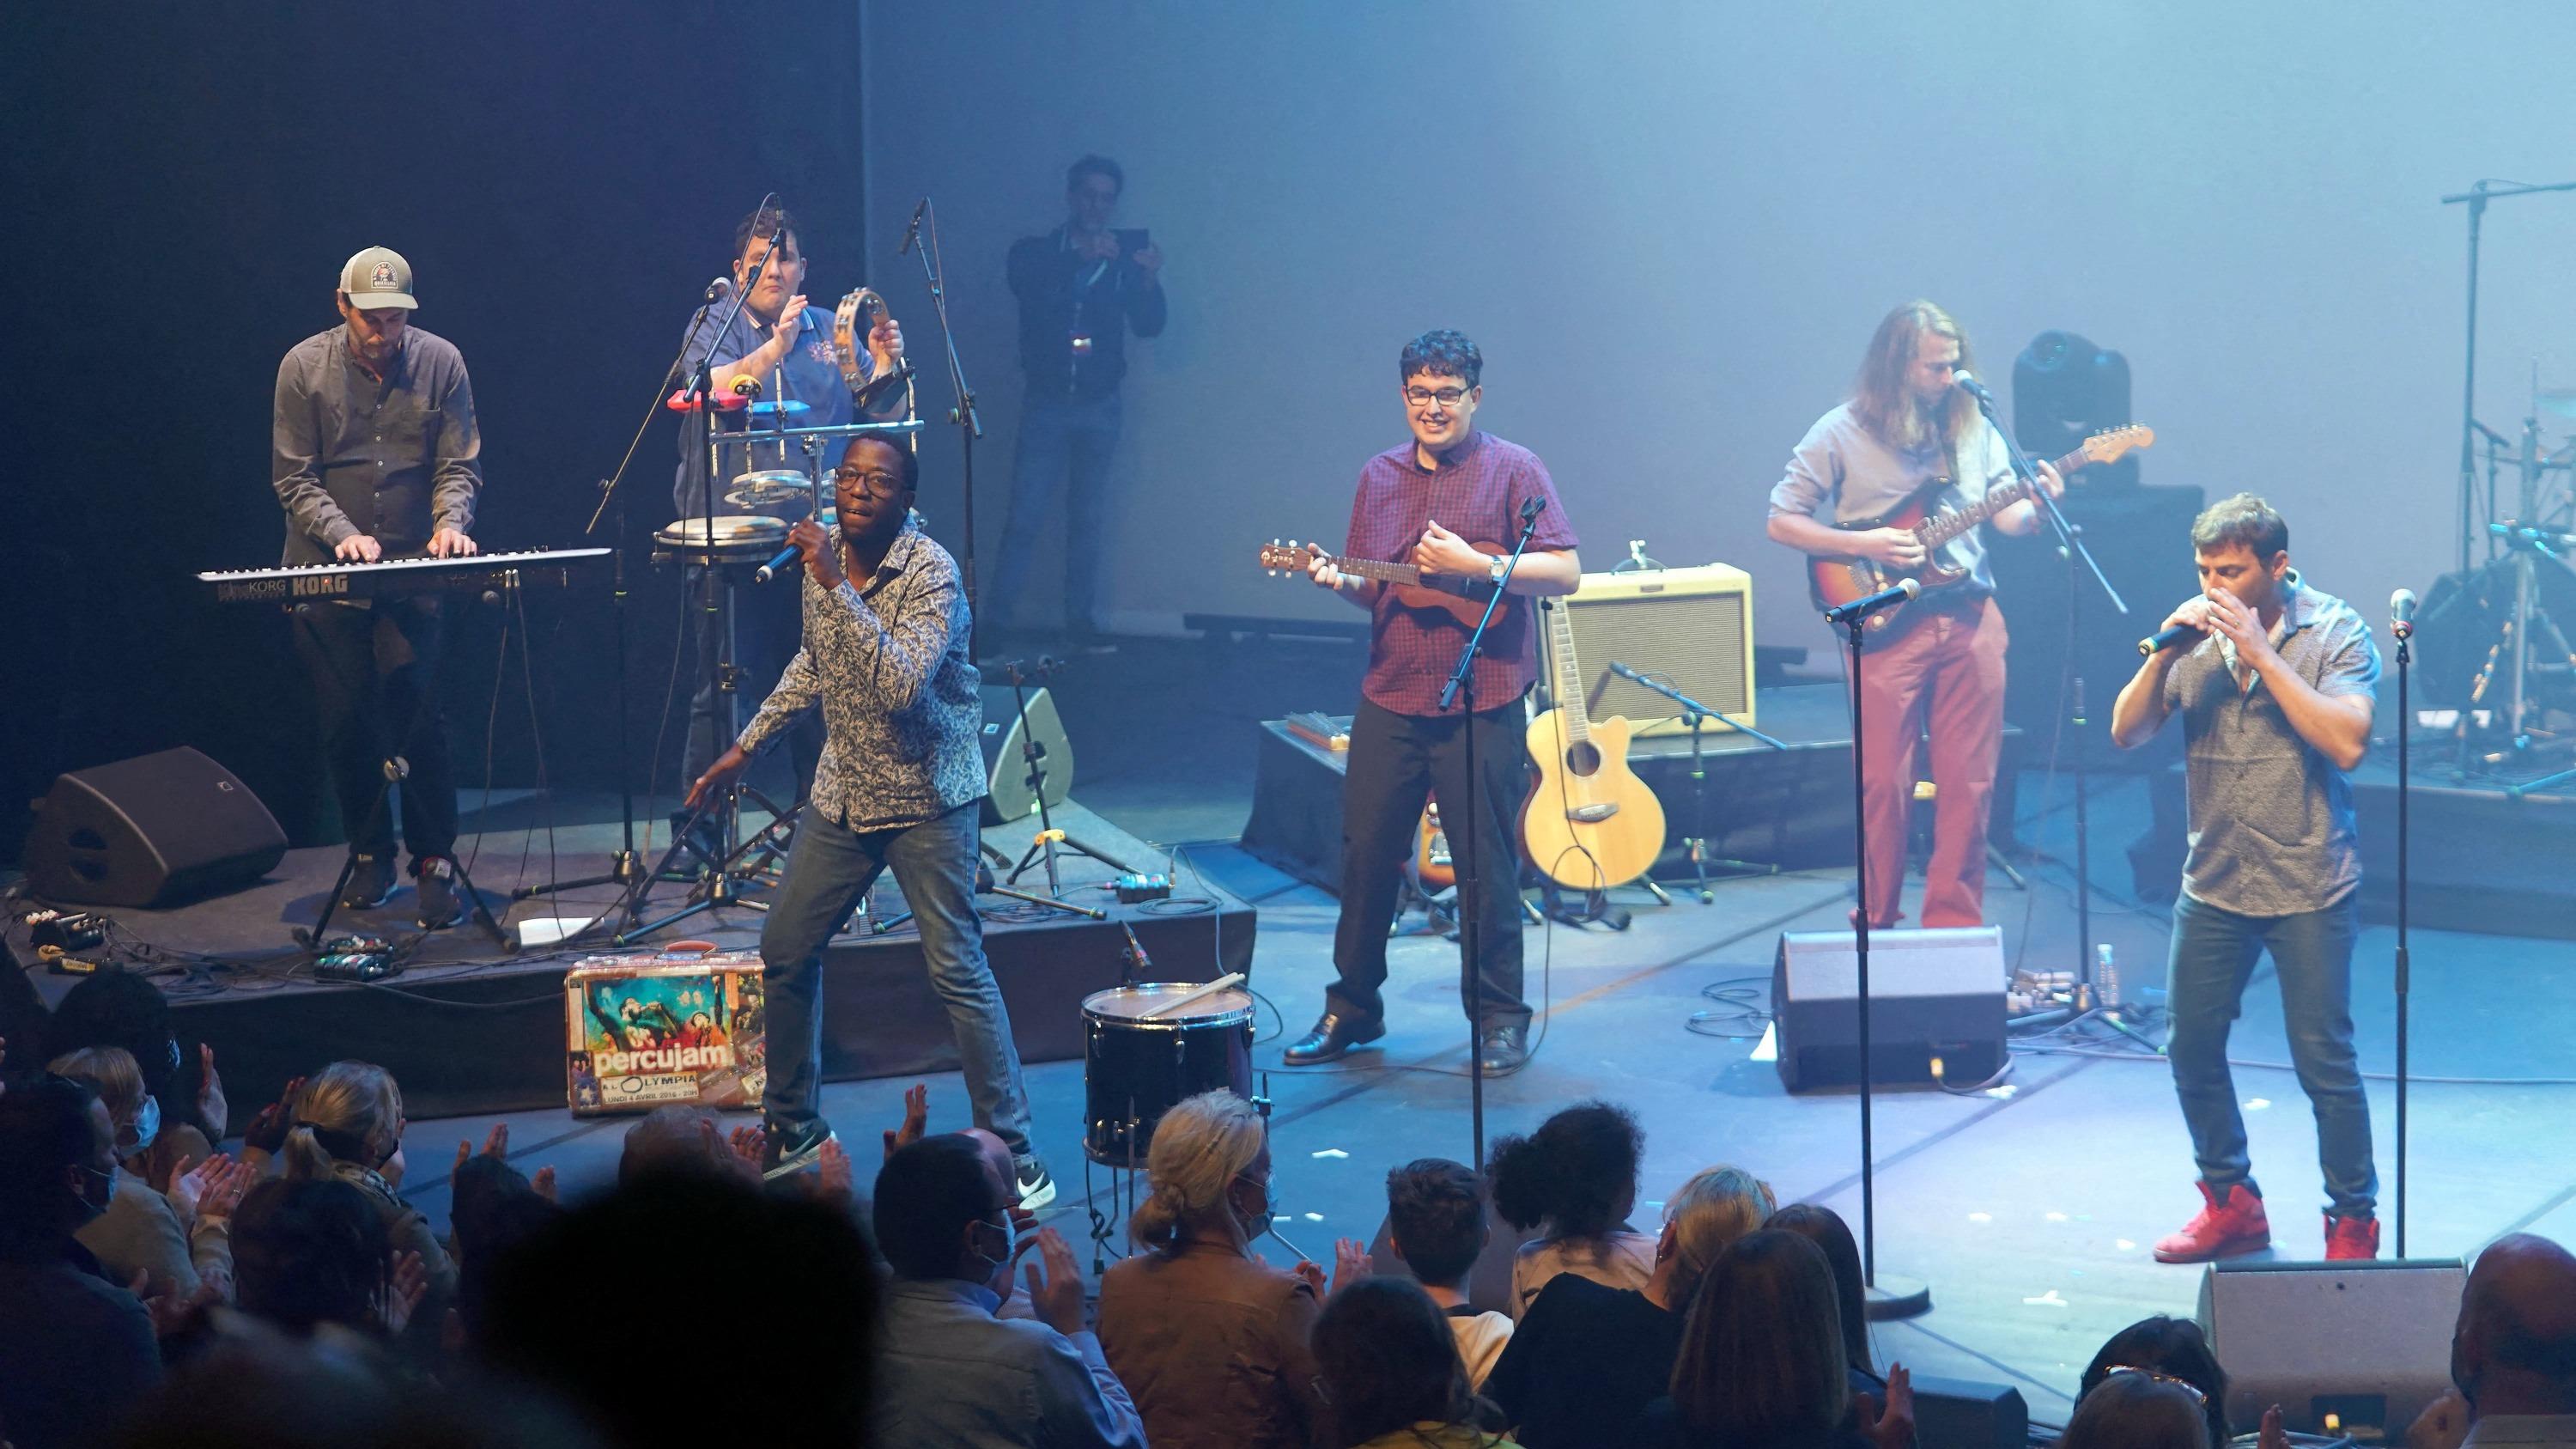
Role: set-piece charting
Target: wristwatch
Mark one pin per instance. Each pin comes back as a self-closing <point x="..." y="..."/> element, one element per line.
<point x="1494" y="566"/>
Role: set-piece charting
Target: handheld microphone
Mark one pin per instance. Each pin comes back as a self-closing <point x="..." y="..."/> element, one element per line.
<point x="912" y="232"/>
<point x="2164" y="639"/>
<point x="719" y="289"/>
<point x="1862" y="608"/>
<point x="1967" y="382"/>
<point x="2401" y="613"/>
<point x="781" y="565"/>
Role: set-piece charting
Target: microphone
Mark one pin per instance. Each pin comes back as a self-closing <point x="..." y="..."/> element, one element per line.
<point x="912" y="232"/>
<point x="1530" y="508"/>
<point x="1967" y="382"/>
<point x="1624" y="672"/>
<point x="778" y="566"/>
<point x="719" y="289"/>
<point x="2164" y="639"/>
<point x="2401" y="613"/>
<point x="1862" y="608"/>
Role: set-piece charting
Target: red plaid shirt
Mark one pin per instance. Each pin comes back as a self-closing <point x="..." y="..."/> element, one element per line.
<point x="1477" y="494"/>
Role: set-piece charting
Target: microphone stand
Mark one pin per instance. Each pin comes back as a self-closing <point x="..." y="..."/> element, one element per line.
<point x="969" y="425"/>
<point x="1471" y="861"/>
<point x="2404" y="629"/>
<point x="623" y="864"/>
<point x="2070" y="539"/>
<point x="2476" y="199"/>
<point x="1693" y="714"/>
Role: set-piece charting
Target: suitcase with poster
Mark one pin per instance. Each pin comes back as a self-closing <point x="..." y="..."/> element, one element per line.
<point x="649" y="1029"/>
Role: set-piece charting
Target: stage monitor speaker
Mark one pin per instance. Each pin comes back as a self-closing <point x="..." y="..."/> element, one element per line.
<point x="1964" y="1413"/>
<point x="155" y="830"/>
<point x="1692" y="625"/>
<point x="2065" y="390"/>
<point x="1009" y="795"/>
<point x="2367" y="1343"/>
<point x="1936" y="1007"/>
<point x="2142" y="539"/>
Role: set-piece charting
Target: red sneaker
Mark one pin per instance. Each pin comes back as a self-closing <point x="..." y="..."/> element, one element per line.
<point x="2353" y="1239"/>
<point x="2223" y="1229"/>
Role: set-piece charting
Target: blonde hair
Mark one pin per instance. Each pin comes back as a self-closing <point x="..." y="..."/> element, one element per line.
<point x="1200" y="1148"/>
<point x="347" y="1112"/>
<point x="1879" y="397"/>
<point x="112" y="1073"/>
<point x="1717" y="1206"/>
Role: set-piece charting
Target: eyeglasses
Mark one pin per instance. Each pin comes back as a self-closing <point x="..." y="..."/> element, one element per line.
<point x="883" y="485"/>
<point x="2185" y="1385"/>
<point x="1447" y="397"/>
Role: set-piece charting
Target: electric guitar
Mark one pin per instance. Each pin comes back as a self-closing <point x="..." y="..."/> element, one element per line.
<point x="1462" y="599"/>
<point x="1836" y="580"/>
<point x="1589" y="823"/>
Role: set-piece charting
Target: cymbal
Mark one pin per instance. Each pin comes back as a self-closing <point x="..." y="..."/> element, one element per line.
<point x="767" y="486"/>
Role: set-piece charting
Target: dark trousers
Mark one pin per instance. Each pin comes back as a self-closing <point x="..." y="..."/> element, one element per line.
<point x="1396" y="762"/>
<point x="1064" y="455"/>
<point x="768" y="628"/>
<point x="374" y="681"/>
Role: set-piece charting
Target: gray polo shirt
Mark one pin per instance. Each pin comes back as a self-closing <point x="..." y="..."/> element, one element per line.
<point x="2272" y="831"/>
<point x="1843" y="464"/>
<point x="394" y="459"/>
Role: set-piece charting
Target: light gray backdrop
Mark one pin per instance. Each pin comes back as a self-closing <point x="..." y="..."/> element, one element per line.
<point x="1672" y="227"/>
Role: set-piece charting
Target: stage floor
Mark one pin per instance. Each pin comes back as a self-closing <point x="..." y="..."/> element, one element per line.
<point x="2027" y="1209"/>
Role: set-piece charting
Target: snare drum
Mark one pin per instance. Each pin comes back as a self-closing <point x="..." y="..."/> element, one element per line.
<point x="1136" y="1067"/>
<point x="739" y="538"/>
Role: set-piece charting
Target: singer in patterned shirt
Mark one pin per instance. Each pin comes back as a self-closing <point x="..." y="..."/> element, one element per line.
<point x="885" y="658"/>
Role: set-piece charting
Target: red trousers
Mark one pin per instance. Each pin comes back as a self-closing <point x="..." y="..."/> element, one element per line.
<point x="1944" y="672"/>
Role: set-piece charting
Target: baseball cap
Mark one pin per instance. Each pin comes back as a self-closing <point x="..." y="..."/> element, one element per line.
<point x="377" y="277"/>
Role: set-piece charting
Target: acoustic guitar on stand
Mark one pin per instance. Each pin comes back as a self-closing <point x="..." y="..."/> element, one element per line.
<point x="1460" y="598"/>
<point x="1589" y="823"/>
<point x="1837" y="580"/>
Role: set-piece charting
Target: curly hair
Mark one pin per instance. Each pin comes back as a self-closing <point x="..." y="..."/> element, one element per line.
<point x="1442" y="353"/>
<point x="1577" y="1173"/>
<point x="1436" y="1214"/>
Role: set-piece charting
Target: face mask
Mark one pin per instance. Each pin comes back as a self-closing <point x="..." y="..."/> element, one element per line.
<point x="1257" y="1223"/>
<point x="103" y="1185"/>
<point x="1010" y="1245"/>
<point x="147" y="1125"/>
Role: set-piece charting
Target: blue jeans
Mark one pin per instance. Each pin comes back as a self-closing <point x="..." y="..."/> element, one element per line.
<point x="1064" y="452"/>
<point x="829" y="868"/>
<point x="2214" y="952"/>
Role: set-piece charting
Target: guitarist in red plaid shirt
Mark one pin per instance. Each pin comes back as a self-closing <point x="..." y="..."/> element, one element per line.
<point x="1422" y="503"/>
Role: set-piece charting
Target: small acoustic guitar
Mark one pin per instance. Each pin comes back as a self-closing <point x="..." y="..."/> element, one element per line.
<point x="1836" y="580"/>
<point x="1590" y="823"/>
<point x="1462" y="599"/>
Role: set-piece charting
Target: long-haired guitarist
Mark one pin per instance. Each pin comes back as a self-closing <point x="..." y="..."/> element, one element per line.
<point x="1448" y="503"/>
<point x="1908" y="437"/>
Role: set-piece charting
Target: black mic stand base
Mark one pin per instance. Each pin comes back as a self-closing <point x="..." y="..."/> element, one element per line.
<point x="1893" y="1298"/>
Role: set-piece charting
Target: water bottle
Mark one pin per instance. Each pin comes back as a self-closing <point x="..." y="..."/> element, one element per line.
<point x="2106" y="977"/>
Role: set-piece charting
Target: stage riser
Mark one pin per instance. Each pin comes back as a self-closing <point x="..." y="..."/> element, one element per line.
<point x="2480" y="861"/>
<point x="461" y="1053"/>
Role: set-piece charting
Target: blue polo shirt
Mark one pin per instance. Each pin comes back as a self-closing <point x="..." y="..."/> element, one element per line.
<point x="812" y="376"/>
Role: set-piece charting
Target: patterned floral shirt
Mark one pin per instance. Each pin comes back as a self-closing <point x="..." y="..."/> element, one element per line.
<point x="888" y="664"/>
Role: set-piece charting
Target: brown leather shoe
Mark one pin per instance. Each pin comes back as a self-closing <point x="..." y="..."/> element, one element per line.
<point x="2225" y="1228"/>
<point x="1334" y="1034"/>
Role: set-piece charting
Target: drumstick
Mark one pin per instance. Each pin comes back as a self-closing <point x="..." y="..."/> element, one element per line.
<point x="1231" y="978"/>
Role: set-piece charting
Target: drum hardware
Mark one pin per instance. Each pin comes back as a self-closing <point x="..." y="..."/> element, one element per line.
<point x="764" y="487"/>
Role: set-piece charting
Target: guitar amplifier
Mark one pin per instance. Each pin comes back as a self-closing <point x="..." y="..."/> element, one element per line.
<point x="1693" y="626"/>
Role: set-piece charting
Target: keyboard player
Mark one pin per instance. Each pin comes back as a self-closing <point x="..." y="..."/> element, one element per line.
<point x="376" y="455"/>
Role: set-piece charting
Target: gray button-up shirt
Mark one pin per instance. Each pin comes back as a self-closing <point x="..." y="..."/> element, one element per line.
<point x="888" y="665"/>
<point x="1842" y="463"/>
<point x="953" y="1374"/>
<point x="2272" y="828"/>
<point x="395" y="460"/>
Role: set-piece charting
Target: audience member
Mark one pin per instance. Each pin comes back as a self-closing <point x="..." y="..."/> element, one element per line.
<point x="492" y="1208"/>
<point x="1587" y="1359"/>
<point x="682" y="1138"/>
<point x="348" y="1124"/>
<point x="180" y="1240"/>
<point x="77" y="1351"/>
<point x="1575" y="1177"/>
<point x="1212" y="1342"/>
<point x="692" y="1268"/>
<point x="2513" y="1354"/>
<point x="1762" y="1363"/>
<point x="1435" y="1222"/>
<point x="2174" y="1348"/>
<point x="122" y="1009"/>
<point x="314" y="1252"/>
<point x="952" y="1373"/>
<point x="1391" y="1370"/>
<point x="2135" y="1409"/>
<point x="1826" y="1229"/>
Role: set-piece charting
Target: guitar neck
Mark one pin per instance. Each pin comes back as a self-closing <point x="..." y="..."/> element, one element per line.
<point x="1569" y="675"/>
<point x="1942" y="528"/>
<point x="1378" y="569"/>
